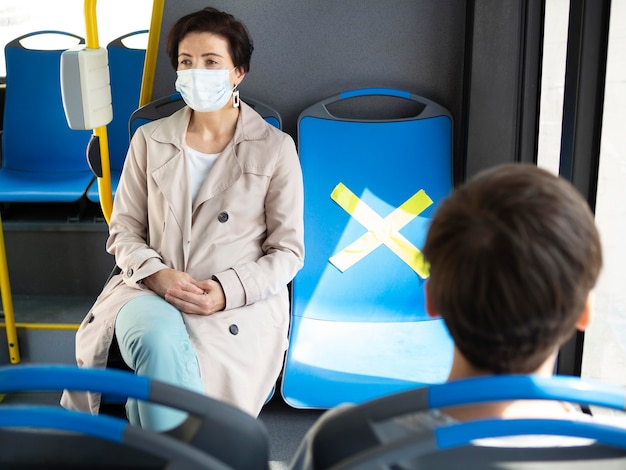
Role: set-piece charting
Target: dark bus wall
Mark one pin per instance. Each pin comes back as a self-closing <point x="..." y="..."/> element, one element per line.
<point x="480" y="59"/>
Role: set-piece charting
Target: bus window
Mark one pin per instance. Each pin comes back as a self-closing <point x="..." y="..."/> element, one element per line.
<point x="552" y="84"/>
<point x="604" y="354"/>
<point x="18" y="17"/>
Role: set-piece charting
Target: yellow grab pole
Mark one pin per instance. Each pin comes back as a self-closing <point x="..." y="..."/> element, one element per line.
<point x="149" y="67"/>
<point x="104" y="183"/>
<point x="7" y="303"/>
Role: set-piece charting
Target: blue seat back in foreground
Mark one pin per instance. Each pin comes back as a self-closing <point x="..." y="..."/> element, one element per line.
<point x="368" y="436"/>
<point x="43" y="160"/>
<point x="223" y="432"/>
<point x="126" y="71"/>
<point x="171" y="453"/>
<point x="359" y="329"/>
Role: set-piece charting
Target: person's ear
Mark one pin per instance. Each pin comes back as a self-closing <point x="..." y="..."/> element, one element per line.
<point x="239" y="75"/>
<point x="587" y="315"/>
<point x="430" y="308"/>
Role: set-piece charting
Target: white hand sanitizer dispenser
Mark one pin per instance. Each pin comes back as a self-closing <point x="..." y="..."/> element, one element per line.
<point x="86" y="88"/>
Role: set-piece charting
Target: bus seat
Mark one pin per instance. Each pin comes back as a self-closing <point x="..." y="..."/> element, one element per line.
<point x="126" y="71"/>
<point x="43" y="160"/>
<point x="375" y="163"/>
<point x="157" y="109"/>
<point x="167" y="105"/>
<point x="215" y="433"/>
<point x="155" y="450"/>
<point x="366" y="436"/>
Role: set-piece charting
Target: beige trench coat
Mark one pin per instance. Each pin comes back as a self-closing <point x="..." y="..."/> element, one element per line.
<point x="245" y="228"/>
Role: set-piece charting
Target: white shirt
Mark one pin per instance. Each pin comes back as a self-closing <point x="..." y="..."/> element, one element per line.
<point x="199" y="165"/>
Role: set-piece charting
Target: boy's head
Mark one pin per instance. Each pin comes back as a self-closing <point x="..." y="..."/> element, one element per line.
<point x="513" y="254"/>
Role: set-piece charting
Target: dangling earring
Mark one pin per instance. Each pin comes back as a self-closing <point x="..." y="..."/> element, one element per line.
<point x="235" y="97"/>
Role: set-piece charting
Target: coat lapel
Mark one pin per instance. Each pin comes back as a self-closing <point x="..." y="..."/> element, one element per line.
<point x="228" y="169"/>
<point x="169" y="171"/>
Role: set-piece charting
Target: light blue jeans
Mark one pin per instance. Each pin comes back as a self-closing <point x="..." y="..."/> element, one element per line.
<point x="154" y="342"/>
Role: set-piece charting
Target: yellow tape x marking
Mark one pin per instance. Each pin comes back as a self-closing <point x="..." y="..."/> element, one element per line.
<point x="381" y="231"/>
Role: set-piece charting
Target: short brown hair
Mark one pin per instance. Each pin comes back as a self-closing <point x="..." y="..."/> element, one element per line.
<point x="211" y="20"/>
<point x="513" y="256"/>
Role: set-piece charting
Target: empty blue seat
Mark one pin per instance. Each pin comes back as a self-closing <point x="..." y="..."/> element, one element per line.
<point x="359" y="329"/>
<point x="125" y="71"/>
<point x="43" y="160"/>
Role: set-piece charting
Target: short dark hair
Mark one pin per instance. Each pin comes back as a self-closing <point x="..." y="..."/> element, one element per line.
<point x="513" y="256"/>
<point x="211" y="20"/>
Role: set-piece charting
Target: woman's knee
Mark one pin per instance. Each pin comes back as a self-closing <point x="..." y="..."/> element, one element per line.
<point x="148" y="320"/>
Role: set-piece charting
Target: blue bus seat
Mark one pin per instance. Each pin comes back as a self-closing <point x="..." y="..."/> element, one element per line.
<point x="361" y="436"/>
<point x="43" y="160"/>
<point x="213" y="429"/>
<point x="358" y="328"/>
<point x="170" y="452"/>
<point x="126" y="72"/>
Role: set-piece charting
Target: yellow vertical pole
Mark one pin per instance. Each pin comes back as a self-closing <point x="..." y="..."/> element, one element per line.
<point x="104" y="183"/>
<point x="7" y="303"/>
<point x="149" y="66"/>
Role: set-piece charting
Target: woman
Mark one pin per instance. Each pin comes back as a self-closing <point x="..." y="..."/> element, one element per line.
<point x="207" y="230"/>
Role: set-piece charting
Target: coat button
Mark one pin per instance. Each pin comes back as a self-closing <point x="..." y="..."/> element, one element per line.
<point x="222" y="217"/>
<point x="130" y="273"/>
<point x="234" y="329"/>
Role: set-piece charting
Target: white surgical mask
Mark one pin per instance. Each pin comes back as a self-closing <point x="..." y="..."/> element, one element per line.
<point x="204" y="90"/>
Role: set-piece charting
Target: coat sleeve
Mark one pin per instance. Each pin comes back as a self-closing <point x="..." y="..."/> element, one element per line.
<point x="128" y="230"/>
<point x="283" y="248"/>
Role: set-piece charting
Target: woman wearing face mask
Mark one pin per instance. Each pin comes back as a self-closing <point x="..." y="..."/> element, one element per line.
<point x="207" y="230"/>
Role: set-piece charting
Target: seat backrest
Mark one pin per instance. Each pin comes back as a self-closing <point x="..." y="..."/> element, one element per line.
<point x="384" y="162"/>
<point x="126" y="71"/>
<point x="371" y="182"/>
<point x="168" y="105"/>
<point x="36" y="135"/>
<point x="361" y="436"/>
<point x="224" y="432"/>
<point x="172" y="452"/>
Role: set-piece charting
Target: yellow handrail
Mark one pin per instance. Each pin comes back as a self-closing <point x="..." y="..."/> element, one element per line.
<point x="147" y="82"/>
<point x="44" y="326"/>
<point x="149" y="67"/>
<point x="7" y="303"/>
<point x="104" y="183"/>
